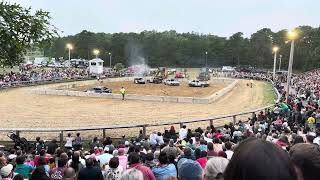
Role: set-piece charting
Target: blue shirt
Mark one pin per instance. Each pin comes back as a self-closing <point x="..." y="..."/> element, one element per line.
<point x="161" y="172"/>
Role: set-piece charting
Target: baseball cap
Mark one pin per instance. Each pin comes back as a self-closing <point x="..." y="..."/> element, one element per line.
<point x="6" y="170"/>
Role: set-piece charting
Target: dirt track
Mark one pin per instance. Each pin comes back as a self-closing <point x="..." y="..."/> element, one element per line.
<point x="159" y="89"/>
<point x="19" y="108"/>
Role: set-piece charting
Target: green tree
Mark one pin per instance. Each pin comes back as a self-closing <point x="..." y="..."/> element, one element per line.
<point x="19" y="29"/>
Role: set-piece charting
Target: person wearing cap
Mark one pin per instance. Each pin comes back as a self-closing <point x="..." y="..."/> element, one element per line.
<point x="189" y="169"/>
<point x="6" y="172"/>
<point x="215" y="168"/>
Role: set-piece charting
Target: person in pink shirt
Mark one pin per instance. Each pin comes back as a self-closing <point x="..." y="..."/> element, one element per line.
<point x="123" y="159"/>
<point x="134" y="160"/>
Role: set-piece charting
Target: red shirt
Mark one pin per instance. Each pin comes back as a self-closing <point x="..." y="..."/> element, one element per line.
<point x="147" y="173"/>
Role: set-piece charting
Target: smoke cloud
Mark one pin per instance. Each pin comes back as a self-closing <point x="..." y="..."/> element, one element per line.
<point x="135" y="59"/>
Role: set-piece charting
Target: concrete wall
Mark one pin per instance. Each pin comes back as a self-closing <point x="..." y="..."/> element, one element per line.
<point x="62" y="90"/>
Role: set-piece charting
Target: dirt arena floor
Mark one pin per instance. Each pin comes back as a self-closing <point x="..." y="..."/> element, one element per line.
<point x="21" y="109"/>
<point x="159" y="89"/>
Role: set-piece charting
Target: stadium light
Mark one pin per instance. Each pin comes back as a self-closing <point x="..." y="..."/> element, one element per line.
<point x="275" y="50"/>
<point x="70" y="47"/>
<point x="292" y="35"/>
<point x="110" y="58"/>
<point x="96" y="52"/>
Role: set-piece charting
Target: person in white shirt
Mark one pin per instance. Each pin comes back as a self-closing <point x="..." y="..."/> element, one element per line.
<point x="317" y="139"/>
<point x="69" y="141"/>
<point x="104" y="158"/>
<point x="160" y="139"/>
<point x="229" y="152"/>
<point x="153" y="138"/>
<point x="183" y="132"/>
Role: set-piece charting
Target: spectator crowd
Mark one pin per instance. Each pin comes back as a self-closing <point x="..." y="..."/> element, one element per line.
<point x="42" y="75"/>
<point x="280" y="143"/>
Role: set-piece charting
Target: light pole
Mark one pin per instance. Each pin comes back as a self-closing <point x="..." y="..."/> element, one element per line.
<point x="291" y="36"/>
<point x="280" y="57"/>
<point x="70" y="47"/>
<point x="96" y="52"/>
<point x="206" y="58"/>
<point x="110" y="58"/>
<point x="275" y="50"/>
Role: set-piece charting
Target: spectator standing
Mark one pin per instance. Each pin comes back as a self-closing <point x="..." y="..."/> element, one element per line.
<point x="69" y="141"/>
<point x="183" y="132"/>
<point x="104" y="158"/>
<point x="52" y="146"/>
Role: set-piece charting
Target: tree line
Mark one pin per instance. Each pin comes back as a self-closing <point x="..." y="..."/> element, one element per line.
<point x="21" y="29"/>
<point x="173" y="49"/>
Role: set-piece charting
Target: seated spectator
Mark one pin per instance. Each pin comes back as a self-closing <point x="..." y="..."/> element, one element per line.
<point x="187" y="153"/>
<point x="69" y="174"/>
<point x="104" y="158"/>
<point x="76" y="162"/>
<point x="132" y="174"/>
<point x="6" y="172"/>
<point x="215" y="168"/>
<point x="90" y="172"/>
<point x="58" y="172"/>
<point x="203" y="159"/>
<point x="255" y="159"/>
<point x="134" y="162"/>
<point x="113" y="171"/>
<point x="210" y="150"/>
<point x="229" y="151"/>
<point x="164" y="169"/>
<point x="306" y="157"/>
<point x="171" y="149"/>
<point x="123" y="159"/>
<point x="23" y="169"/>
<point x="40" y="174"/>
<point x="189" y="169"/>
<point x="149" y="162"/>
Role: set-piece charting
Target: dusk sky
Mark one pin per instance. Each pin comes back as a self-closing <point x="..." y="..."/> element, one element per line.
<point x="222" y="18"/>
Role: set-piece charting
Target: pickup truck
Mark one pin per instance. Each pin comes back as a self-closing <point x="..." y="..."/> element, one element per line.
<point x="171" y="82"/>
<point x="198" y="83"/>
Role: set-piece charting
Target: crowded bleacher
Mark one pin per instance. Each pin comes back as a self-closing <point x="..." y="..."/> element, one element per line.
<point x="282" y="143"/>
<point x="7" y="79"/>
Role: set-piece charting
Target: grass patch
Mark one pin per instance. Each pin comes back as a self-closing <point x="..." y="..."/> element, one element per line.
<point x="269" y="96"/>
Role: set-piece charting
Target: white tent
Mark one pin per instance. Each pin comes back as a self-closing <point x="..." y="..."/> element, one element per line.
<point x="96" y="66"/>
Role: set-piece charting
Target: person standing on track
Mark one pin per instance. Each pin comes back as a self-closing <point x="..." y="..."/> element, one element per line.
<point x="123" y="92"/>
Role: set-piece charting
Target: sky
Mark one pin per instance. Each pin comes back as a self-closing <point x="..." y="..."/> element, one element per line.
<point x="217" y="17"/>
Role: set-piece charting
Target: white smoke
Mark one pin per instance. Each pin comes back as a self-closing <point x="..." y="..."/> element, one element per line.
<point x="136" y="60"/>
